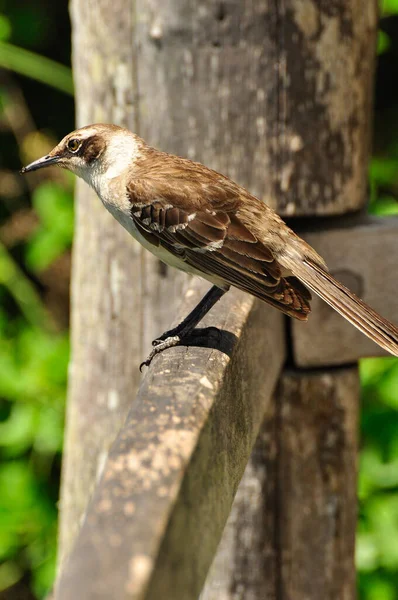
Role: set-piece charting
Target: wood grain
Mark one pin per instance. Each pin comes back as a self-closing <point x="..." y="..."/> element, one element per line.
<point x="362" y="254"/>
<point x="246" y="564"/>
<point x="317" y="467"/>
<point x="291" y="531"/>
<point x="167" y="487"/>
<point x="222" y="83"/>
<point x="276" y="95"/>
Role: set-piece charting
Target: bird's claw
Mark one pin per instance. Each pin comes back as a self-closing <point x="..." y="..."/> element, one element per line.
<point x="165" y="336"/>
<point x="157" y="342"/>
<point x="159" y="346"/>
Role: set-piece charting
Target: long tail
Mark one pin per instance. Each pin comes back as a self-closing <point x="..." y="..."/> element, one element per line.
<point x="357" y="312"/>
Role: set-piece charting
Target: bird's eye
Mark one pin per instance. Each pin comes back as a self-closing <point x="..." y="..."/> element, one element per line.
<point x="73" y="145"/>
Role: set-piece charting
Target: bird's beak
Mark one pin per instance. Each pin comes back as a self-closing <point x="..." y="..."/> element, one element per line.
<point x="45" y="161"/>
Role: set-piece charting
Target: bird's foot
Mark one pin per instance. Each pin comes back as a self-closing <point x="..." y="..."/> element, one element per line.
<point x="159" y="345"/>
<point x="171" y="333"/>
<point x="181" y="336"/>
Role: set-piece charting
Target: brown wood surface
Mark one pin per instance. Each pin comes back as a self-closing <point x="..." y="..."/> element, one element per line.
<point x="291" y="531"/>
<point x="317" y="467"/>
<point x="246" y="564"/>
<point x="107" y="274"/>
<point x="276" y="95"/>
<point x="362" y="254"/>
<point x="141" y="65"/>
<point x="167" y="486"/>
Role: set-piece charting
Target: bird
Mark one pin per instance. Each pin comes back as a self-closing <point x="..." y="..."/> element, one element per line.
<point x="201" y="222"/>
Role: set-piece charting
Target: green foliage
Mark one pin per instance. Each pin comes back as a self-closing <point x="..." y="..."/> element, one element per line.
<point x="377" y="539"/>
<point x="383" y="42"/>
<point x="31" y="64"/>
<point x="33" y="365"/>
<point x="38" y="67"/>
<point x="5" y="28"/>
<point x="21" y="289"/>
<point x="389" y="7"/>
<point x="53" y="205"/>
<point x="34" y="350"/>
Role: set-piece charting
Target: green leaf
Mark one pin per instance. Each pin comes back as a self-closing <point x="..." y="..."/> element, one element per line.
<point x="37" y="67"/>
<point x="17" y="433"/>
<point x="383" y="42"/>
<point x="5" y="28"/>
<point x="383" y="170"/>
<point x="54" y="206"/>
<point x="380" y="589"/>
<point x="10" y="573"/>
<point x="366" y="556"/>
<point x="22" y="290"/>
<point x="389" y="7"/>
<point x="33" y="366"/>
<point x="384" y="206"/>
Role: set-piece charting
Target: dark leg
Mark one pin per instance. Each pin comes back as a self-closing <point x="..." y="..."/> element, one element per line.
<point x="175" y="336"/>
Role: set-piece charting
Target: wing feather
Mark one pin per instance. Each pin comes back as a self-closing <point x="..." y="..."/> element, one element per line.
<point x="215" y="242"/>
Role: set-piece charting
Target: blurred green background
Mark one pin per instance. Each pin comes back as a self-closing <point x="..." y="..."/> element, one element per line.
<point x="36" y="228"/>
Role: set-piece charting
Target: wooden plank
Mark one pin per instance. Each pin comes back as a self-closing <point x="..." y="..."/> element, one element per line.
<point x="297" y="133"/>
<point x="117" y="288"/>
<point x="166" y="490"/>
<point x="362" y="254"/>
<point x="245" y="566"/>
<point x="291" y="531"/>
<point x="317" y="467"/>
<point x="325" y="65"/>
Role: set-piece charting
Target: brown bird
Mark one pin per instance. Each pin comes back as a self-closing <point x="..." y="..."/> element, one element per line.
<point x="201" y="222"/>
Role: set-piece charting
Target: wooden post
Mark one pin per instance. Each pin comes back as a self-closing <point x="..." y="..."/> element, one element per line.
<point x="291" y="532"/>
<point x="117" y="288"/>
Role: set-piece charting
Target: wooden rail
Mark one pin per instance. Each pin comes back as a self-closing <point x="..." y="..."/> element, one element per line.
<point x="174" y="468"/>
<point x="362" y="252"/>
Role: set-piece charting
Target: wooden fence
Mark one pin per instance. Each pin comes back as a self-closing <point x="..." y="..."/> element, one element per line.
<point x="232" y="473"/>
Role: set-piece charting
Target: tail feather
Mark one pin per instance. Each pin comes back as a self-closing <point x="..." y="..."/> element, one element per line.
<point x="347" y="304"/>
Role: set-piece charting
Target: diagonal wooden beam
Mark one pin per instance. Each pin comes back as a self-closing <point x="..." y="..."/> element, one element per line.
<point x="175" y="466"/>
<point x="362" y="253"/>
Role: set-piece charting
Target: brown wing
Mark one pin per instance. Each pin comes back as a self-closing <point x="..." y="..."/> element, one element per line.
<point x="215" y="242"/>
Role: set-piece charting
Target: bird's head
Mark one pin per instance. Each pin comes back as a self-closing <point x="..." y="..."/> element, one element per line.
<point x="91" y="150"/>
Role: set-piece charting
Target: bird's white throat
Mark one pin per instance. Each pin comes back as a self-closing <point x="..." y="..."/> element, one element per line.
<point x="117" y="159"/>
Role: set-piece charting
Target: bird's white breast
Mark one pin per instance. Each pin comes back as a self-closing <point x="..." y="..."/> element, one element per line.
<point x="119" y="206"/>
<point x="111" y="189"/>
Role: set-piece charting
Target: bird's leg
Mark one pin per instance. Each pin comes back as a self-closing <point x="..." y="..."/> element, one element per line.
<point x="174" y="336"/>
<point x="186" y="326"/>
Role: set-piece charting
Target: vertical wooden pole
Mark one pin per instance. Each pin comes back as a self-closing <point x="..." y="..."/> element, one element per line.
<point x="317" y="474"/>
<point x="291" y="532"/>
<point x="245" y="566"/>
<point x="107" y="273"/>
